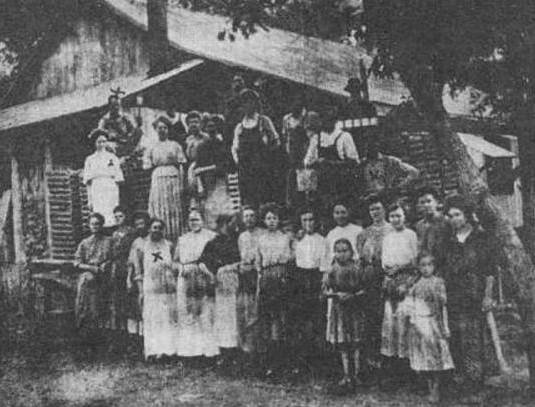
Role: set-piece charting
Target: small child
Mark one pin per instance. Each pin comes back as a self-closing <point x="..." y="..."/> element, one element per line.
<point x="429" y="352"/>
<point x="343" y="284"/>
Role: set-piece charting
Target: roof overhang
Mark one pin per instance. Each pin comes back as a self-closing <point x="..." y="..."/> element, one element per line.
<point x="82" y="100"/>
<point x="321" y="64"/>
<point x="485" y="147"/>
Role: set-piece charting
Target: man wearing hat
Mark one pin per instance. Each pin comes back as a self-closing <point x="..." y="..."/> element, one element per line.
<point x="118" y="125"/>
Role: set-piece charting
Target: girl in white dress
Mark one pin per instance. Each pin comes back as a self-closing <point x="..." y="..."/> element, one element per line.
<point x="102" y="174"/>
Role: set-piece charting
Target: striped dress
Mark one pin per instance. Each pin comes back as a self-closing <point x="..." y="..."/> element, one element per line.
<point x="167" y="186"/>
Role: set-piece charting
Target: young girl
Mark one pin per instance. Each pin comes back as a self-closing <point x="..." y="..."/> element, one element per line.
<point x="343" y="284"/>
<point x="274" y="256"/>
<point x="399" y="253"/>
<point x="429" y="352"/>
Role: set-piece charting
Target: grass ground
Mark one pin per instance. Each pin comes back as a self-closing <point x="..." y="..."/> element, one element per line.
<point x="35" y="375"/>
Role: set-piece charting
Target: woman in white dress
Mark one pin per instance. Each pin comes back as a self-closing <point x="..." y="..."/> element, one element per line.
<point x="155" y="277"/>
<point x="102" y="174"/>
<point x="195" y="293"/>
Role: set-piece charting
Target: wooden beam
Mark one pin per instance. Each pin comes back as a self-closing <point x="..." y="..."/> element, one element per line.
<point x="16" y="199"/>
<point x="48" y="167"/>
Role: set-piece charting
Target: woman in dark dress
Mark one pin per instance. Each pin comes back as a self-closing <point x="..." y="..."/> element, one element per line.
<point x="469" y="276"/>
<point x="222" y="258"/>
<point x="254" y="149"/>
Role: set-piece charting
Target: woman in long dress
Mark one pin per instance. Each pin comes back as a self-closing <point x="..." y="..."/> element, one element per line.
<point x="93" y="260"/>
<point x="166" y="189"/>
<point x="274" y="256"/>
<point x="398" y="258"/>
<point x="155" y="278"/>
<point x="469" y="275"/>
<point x="222" y="257"/>
<point x="369" y="246"/>
<point x="247" y="299"/>
<point x="102" y="174"/>
<point x="195" y="292"/>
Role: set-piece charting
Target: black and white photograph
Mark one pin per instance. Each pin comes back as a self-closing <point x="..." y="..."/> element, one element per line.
<point x="302" y="203"/>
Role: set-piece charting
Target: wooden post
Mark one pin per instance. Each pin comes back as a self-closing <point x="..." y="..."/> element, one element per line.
<point x="158" y="38"/>
<point x="48" y="166"/>
<point x="16" y="200"/>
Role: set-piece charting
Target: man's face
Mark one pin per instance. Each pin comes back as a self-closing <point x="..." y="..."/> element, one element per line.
<point x="377" y="212"/>
<point x="428" y="204"/>
<point x="308" y="222"/>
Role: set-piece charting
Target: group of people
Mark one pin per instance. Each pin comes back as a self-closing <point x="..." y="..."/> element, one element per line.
<point x="387" y="297"/>
<point x="196" y="279"/>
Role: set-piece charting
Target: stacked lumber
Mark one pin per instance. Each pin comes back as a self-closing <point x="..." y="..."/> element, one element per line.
<point x="234" y="191"/>
<point x="65" y="212"/>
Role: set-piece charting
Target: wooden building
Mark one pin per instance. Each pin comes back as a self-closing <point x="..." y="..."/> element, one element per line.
<point x="43" y="138"/>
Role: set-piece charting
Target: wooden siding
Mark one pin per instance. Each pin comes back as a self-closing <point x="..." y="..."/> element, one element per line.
<point x="101" y="48"/>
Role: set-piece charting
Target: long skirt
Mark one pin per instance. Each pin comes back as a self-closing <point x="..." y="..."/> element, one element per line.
<point x="471" y="347"/>
<point x="395" y="341"/>
<point x="196" y="330"/>
<point x="217" y="200"/>
<point x="248" y="308"/>
<point x="87" y="305"/>
<point x="103" y="197"/>
<point x="160" y="329"/>
<point x="344" y="323"/>
<point x="226" y="306"/>
<point x="118" y="295"/>
<point x="306" y="316"/>
<point x="373" y="307"/>
<point x="165" y="202"/>
<point x="428" y="347"/>
<point x="273" y="303"/>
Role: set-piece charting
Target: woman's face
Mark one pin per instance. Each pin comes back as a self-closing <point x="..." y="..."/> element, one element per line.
<point x="308" y="223"/>
<point x="100" y="143"/>
<point x="95" y="225"/>
<point x="195" y="222"/>
<point x="377" y="212"/>
<point x="163" y="131"/>
<point x="340" y="215"/>
<point x="397" y="218"/>
<point x="249" y="218"/>
<point x="194" y="126"/>
<point x="272" y="221"/>
<point x="156" y="231"/>
<point x="120" y="218"/>
<point x="457" y="218"/>
<point x="342" y="252"/>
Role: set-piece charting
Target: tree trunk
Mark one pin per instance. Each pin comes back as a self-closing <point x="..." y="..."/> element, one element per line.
<point x="517" y="263"/>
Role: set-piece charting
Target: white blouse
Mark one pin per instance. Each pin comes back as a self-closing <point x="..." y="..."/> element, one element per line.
<point x="309" y="251"/>
<point x="400" y="248"/>
<point x="190" y="246"/>
<point x="102" y="164"/>
<point x="274" y="248"/>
